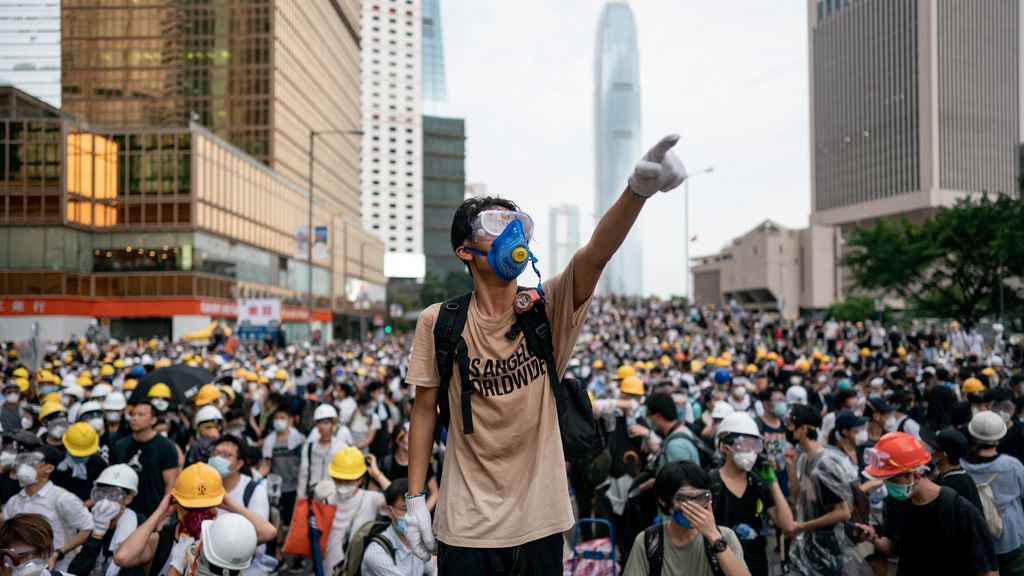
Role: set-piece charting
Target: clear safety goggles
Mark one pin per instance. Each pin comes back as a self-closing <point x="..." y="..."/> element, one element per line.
<point x="108" y="493"/>
<point x="699" y="497"/>
<point x="13" y="557"/>
<point x="491" y="223"/>
<point x="881" y="460"/>
<point x="30" y="458"/>
<point x="747" y="444"/>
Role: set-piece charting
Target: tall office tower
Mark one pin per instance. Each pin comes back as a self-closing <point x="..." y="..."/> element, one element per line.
<point x="30" y="47"/>
<point x="392" y="171"/>
<point x="914" y="104"/>
<point x="617" y="127"/>
<point x="435" y="90"/>
<point x="563" y="236"/>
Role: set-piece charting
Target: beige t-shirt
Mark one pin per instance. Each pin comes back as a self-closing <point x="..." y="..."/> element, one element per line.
<point x="504" y="484"/>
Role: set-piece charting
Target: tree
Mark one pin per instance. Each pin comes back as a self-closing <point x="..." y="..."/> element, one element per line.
<point x="950" y="266"/>
<point x="437" y="289"/>
<point x="857" y="309"/>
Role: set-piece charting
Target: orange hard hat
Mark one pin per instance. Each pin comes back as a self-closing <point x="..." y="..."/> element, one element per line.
<point x="895" y="453"/>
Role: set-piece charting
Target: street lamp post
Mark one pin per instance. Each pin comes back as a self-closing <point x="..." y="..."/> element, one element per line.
<point x="309" y="227"/>
<point x="686" y="229"/>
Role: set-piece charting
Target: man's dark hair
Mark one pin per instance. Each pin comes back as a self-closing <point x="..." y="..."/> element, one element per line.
<point x="152" y="409"/>
<point x="674" y="476"/>
<point x="397" y="490"/>
<point x="240" y="449"/>
<point x="462" y="222"/>
<point x="282" y="410"/>
<point x="373" y="387"/>
<point x="662" y="404"/>
<point x="275" y="398"/>
<point x="842" y="396"/>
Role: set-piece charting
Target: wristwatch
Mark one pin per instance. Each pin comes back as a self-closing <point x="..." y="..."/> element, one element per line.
<point x="719" y="546"/>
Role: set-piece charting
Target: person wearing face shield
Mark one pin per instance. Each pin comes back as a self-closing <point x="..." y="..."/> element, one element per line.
<point x="745" y="489"/>
<point x="113" y="522"/>
<point x="931" y="528"/>
<point x="65" y="512"/>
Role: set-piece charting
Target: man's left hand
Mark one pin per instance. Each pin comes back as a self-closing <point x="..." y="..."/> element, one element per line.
<point x="660" y="170"/>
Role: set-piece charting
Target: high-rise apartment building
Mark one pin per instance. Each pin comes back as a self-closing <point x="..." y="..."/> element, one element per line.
<point x="563" y="236"/>
<point x="617" y="128"/>
<point x="30" y="47"/>
<point x="392" y="171"/>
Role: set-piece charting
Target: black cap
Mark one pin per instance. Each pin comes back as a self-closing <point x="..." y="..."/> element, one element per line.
<point x="50" y="454"/>
<point x="803" y="415"/>
<point x="847" y="419"/>
<point x="952" y="442"/>
<point x="877" y="405"/>
<point x="24" y="438"/>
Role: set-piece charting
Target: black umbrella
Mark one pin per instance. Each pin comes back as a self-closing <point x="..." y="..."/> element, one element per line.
<point x="183" y="380"/>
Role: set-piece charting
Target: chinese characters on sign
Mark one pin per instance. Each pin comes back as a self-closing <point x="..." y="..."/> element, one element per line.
<point x="12" y="307"/>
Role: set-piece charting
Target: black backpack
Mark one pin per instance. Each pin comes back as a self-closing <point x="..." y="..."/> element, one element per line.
<point x="576" y="421"/>
<point x="654" y="546"/>
<point x="369" y="533"/>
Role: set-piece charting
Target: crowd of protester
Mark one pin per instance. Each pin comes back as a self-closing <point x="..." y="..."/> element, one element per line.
<point x="808" y="447"/>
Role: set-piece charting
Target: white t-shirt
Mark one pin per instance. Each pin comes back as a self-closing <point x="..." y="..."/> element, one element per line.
<point x="260" y="504"/>
<point x="126" y="524"/>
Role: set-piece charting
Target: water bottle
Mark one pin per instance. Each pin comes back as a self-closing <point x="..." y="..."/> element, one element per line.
<point x="745" y="532"/>
<point x="274" y="482"/>
<point x="877" y="499"/>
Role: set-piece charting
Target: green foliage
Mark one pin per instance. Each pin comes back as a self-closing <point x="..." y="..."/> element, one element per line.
<point x="437" y="289"/>
<point x="950" y="266"/>
<point x="857" y="309"/>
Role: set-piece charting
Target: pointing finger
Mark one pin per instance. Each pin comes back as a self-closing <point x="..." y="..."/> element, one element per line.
<point x="659" y="150"/>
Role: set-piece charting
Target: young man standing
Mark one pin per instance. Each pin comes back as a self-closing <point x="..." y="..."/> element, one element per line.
<point x="153" y="457"/>
<point x="504" y="493"/>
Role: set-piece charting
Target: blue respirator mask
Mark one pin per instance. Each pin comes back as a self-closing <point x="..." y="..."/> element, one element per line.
<point x="510" y="251"/>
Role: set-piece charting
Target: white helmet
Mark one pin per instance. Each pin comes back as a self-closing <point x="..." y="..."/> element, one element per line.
<point x="69" y="381"/>
<point x="229" y="541"/>
<point x="120" y="475"/>
<point x="74" y="390"/>
<point x="995" y="362"/>
<point x="796" y="395"/>
<point x="146" y="360"/>
<point x="101" y="390"/>
<point x="115" y="402"/>
<point x="738" y="423"/>
<point x="721" y="410"/>
<point x="90" y="406"/>
<point x="208" y="413"/>
<point x="324" y="412"/>
<point x="987" y="427"/>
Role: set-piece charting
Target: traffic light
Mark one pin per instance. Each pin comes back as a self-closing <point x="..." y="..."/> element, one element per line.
<point x="387" y="329"/>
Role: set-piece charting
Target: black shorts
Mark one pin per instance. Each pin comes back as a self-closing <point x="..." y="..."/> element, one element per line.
<point x="542" y="557"/>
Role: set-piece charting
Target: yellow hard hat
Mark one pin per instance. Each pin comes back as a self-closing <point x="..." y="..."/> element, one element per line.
<point x="750" y="369"/>
<point x="348" y="464"/>
<point x="281" y="374"/>
<point x="901" y="351"/>
<point x="22" y="383"/>
<point x="971" y="386"/>
<point x="251" y="376"/>
<point x="989" y="371"/>
<point x="816" y="355"/>
<point x="632" y="385"/>
<point x="803" y="366"/>
<point x="760" y="354"/>
<point x="199" y="486"/>
<point x="263" y="380"/>
<point x="162" y="363"/>
<point x="771" y="356"/>
<point x="711" y="360"/>
<point x="664" y="345"/>
<point x="130" y="384"/>
<point x="624" y="371"/>
<point x="945" y="345"/>
<point x="20" y="373"/>
<point x="725" y="356"/>
<point x="159" y="390"/>
<point x="85" y="380"/>
<point x="106" y="370"/>
<point x="865" y="352"/>
<point x="368" y="360"/>
<point x="361" y="372"/>
<point x="665" y="360"/>
<point x="119" y="364"/>
<point x="648" y="365"/>
<point x="207" y="394"/>
<point x="597" y="365"/>
<point x="826" y="359"/>
<point x="51" y="408"/>
<point x="81" y="440"/>
<point x="696" y="365"/>
<point x="722" y="362"/>
<point x="51" y="397"/>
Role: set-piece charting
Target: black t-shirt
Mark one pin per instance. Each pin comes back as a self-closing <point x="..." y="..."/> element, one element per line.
<point x="1013" y="443"/>
<point x="149" y="460"/>
<point x="941" y="404"/>
<point x="964" y="485"/>
<point x="927" y="545"/>
<point x="732" y="511"/>
<point x="63" y="476"/>
<point x="393" y="470"/>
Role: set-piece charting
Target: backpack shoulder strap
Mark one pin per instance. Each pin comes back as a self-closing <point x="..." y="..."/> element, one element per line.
<point x="384" y="543"/>
<point x="947" y="508"/>
<point x="716" y="566"/>
<point x="717" y="493"/>
<point x="451" y="319"/>
<point x="537" y="331"/>
<point x="654" y="547"/>
<point x="250" y="488"/>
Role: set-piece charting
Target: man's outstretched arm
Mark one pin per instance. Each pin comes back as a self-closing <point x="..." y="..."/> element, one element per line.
<point x="659" y="170"/>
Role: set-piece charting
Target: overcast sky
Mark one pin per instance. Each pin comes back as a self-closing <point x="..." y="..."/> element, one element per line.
<point x="730" y="77"/>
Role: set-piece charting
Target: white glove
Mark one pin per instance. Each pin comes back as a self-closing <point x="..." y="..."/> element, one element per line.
<point x="659" y="170"/>
<point x="103" y="512"/>
<point x="324" y="490"/>
<point x="418" y="528"/>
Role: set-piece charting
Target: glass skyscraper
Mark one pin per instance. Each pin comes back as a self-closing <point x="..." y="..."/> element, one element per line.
<point x="617" y="119"/>
<point x="435" y="93"/>
<point x="30" y="47"/>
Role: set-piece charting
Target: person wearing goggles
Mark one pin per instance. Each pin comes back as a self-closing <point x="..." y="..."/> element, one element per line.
<point x="683" y="493"/>
<point x="491" y="237"/>
<point x="745" y="489"/>
<point x="931" y="528"/>
<point x="26" y="546"/>
<point x="113" y="522"/>
<point x="68" y="517"/>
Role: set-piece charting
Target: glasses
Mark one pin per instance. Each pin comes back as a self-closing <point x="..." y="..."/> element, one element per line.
<point x="491" y="223"/>
<point x="12" y="557"/>
<point x="108" y="493"/>
<point x="30" y="458"/>
<point x="748" y="444"/>
<point x="699" y="497"/>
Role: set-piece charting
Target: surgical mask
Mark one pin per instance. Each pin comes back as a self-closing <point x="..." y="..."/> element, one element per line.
<point x="890" y="424"/>
<point x="160" y="404"/>
<point x="346" y="491"/>
<point x="6" y="459"/>
<point x="33" y="567"/>
<point x="680" y="519"/>
<point x="46" y="390"/>
<point x="861" y="437"/>
<point x="844" y="384"/>
<point x="745" y="460"/>
<point x="1005" y="416"/>
<point x="630" y="421"/>
<point x="26" y="423"/>
<point x="780" y="409"/>
<point x="57" y="431"/>
<point x="510" y="252"/>
<point x="739" y="392"/>
<point x="112" y="416"/>
<point x="400" y="525"/>
<point x="795" y="380"/>
<point x="221" y="465"/>
<point x="12" y="398"/>
<point x="96" y="423"/>
<point x="26" y="475"/>
<point x="899" y="491"/>
<point x="280" y="425"/>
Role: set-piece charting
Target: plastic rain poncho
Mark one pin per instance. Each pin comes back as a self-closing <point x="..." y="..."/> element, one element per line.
<point x="822" y="552"/>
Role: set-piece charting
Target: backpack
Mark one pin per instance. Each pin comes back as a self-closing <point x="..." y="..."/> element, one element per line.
<point x="988" y="506"/>
<point x="718" y="492"/>
<point x="654" y="546"/>
<point x="247" y="493"/>
<point x="576" y="422"/>
<point x="707" y="458"/>
<point x="366" y="534"/>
